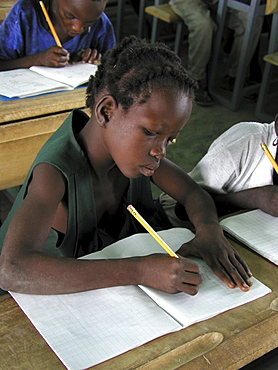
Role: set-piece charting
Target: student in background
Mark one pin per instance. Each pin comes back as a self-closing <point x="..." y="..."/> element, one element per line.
<point x="83" y="29"/>
<point x="198" y="17"/>
<point x="236" y="172"/>
<point x="91" y="169"/>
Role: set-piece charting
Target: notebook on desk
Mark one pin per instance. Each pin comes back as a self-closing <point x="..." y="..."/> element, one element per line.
<point x="255" y="229"/>
<point x="22" y="83"/>
<point x="87" y="328"/>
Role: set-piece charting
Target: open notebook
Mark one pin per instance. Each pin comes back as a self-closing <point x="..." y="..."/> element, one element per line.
<point x="257" y="230"/>
<point x="22" y="83"/>
<point x="87" y="328"/>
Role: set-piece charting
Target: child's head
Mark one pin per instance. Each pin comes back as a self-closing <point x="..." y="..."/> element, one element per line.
<point x="140" y="99"/>
<point x="135" y="68"/>
<point x="76" y="16"/>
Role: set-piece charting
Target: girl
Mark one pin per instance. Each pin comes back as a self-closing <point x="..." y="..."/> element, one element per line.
<point x="89" y="171"/>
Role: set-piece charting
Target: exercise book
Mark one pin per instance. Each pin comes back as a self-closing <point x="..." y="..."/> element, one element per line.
<point x="255" y="229"/>
<point x="23" y="83"/>
<point x="87" y="328"/>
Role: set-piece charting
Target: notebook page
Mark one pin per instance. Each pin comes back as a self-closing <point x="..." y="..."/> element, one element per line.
<point x="79" y="327"/>
<point x="87" y="328"/>
<point x="213" y="298"/>
<point x="23" y="83"/>
<point x="144" y="244"/>
<point x="257" y="230"/>
<point x="72" y="74"/>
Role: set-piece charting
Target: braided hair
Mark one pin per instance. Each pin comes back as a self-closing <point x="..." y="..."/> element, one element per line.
<point x="134" y="68"/>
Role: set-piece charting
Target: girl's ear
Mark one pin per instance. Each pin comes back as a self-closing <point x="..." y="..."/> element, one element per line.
<point x="104" y="109"/>
<point x="276" y="124"/>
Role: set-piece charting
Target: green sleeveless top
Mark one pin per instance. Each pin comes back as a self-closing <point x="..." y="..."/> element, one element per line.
<point x="83" y="235"/>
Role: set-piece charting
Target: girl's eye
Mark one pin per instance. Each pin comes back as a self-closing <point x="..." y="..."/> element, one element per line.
<point x="172" y="141"/>
<point x="69" y="16"/>
<point x="149" y="133"/>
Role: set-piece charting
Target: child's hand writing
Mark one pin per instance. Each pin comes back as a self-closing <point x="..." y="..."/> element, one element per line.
<point x="86" y="56"/>
<point x="169" y="274"/>
<point x="52" y="57"/>
<point x="212" y="246"/>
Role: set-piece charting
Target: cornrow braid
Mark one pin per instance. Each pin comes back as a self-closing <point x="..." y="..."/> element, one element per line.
<point x="134" y="68"/>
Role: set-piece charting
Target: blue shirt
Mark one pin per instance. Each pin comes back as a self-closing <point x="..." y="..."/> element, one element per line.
<point x="24" y="32"/>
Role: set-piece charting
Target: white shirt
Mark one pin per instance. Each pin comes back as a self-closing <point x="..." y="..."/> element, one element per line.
<point x="235" y="160"/>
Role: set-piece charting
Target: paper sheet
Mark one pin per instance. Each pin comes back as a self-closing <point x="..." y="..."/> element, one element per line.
<point x="257" y="230"/>
<point x="87" y="328"/>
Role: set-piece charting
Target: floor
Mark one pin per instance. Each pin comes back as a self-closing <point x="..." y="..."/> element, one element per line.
<point x="202" y="128"/>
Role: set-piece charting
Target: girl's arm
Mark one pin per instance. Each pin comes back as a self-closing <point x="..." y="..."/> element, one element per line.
<point x="25" y="268"/>
<point x="210" y="242"/>
<point x="263" y="197"/>
<point x="52" y="57"/>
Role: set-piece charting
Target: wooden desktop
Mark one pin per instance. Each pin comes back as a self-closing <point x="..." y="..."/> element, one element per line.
<point x="229" y="340"/>
<point x="25" y="125"/>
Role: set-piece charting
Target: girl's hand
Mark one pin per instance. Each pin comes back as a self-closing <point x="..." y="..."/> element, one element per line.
<point x="169" y="274"/>
<point x="211" y="245"/>
<point x="52" y="57"/>
<point x="91" y="56"/>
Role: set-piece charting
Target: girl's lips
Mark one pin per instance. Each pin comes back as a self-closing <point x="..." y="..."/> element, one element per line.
<point x="148" y="170"/>
<point x="72" y="34"/>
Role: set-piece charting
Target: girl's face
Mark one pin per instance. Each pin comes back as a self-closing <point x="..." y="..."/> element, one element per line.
<point x="137" y="140"/>
<point x="75" y="16"/>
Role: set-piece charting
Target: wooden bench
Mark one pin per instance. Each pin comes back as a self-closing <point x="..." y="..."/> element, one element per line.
<point x="164" y="12"/>
<point x="272" y="58"/>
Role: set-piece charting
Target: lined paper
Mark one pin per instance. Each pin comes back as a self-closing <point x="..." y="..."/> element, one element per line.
<point x="256" y="229"/>
<point x="37" y="80"/>
<point x="87" y="328"/>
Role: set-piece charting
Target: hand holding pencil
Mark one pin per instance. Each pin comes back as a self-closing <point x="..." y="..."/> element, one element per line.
<point x="171" y="275"/>
<point x="55" y="56"/>
<point x="84" y="55"/>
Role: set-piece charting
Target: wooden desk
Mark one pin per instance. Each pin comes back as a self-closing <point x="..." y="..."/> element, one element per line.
<point x="42" y="107"/>
<point x="5" y="6"/>
<point x="25" y="125"/>
<point x="248" y="331"/>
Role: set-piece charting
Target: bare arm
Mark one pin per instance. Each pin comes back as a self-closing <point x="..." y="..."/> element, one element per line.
<point x="264" y="198"/>
<point x="25" y="268"/>
<point x="52" y="57"/>
<point x="210" y="242"/>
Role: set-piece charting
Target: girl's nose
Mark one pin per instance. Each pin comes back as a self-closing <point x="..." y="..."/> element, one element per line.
<point x="77" y="26"/>
<point x="159" y="151"/>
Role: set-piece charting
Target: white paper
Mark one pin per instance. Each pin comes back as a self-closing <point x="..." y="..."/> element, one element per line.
<point x="23" y="83"/>
<point x="87" y="328"/>
<point x="72" y="74"/>
<point x="257" y="230"/>
<point x="37" y="80"/>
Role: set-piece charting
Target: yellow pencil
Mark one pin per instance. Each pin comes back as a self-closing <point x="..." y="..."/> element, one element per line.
<point x="272" y="160"/>
<point x="52" y="29"/>
<point x="154" y="234"/>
